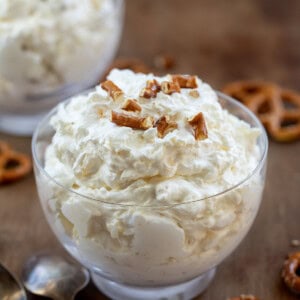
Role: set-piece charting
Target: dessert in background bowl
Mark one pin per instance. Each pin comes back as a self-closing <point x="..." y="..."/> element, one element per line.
<point x="150" y="182"/>
<point x="51" y="50"/>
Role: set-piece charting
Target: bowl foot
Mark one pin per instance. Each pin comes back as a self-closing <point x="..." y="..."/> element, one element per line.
<point x="182" y="291"/>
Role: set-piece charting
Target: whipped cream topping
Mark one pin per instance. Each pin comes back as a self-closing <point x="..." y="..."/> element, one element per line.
<point x="45" y="45"/>
<point x="113" y="163"/>
<point x="174" y="239"/>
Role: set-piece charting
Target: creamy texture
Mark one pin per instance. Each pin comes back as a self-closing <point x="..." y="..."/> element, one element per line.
<point x="168" y="241"/>
<point x="45" y="45"/>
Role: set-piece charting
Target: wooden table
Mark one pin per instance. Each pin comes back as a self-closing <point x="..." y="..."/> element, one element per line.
<point x="220" y="41"/>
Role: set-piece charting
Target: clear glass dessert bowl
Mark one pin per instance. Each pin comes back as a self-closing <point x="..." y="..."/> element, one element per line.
<point x="51" y="50"/>
<point x="164" y="251"/>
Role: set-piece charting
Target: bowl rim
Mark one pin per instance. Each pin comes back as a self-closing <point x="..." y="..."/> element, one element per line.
<point x="260" y="163"/>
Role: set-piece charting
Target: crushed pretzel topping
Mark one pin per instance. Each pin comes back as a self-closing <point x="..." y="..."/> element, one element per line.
<point x="131" y="105"/>
<point x="170" y="87"/>
<point x="185" y="81"/>
<point x="194" y="94"/>
<point x="199" y="126"/>
<point x="164" y="126"/>
<point x="134" y="122"/>
<point x="153" y="85"/>
<point x="151" y="89"/>
<point x="113" y="90"/>
<point x="147" y="93"/>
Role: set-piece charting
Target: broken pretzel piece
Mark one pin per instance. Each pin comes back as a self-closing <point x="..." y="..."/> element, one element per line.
<point x="132" y="121"/>
<point x="151" y="89"/>
<point x="113" y="90"/>
<point x="185" y="81"/>
<point x="164" y="126"/>
<point x="199" y="126"/>
<point x="131" y="105"/>
<point x="170" y="87"/>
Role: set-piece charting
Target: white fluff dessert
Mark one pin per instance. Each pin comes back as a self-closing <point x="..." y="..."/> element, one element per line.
<point x="50" y="45"/>
<point x="148" y="168"/>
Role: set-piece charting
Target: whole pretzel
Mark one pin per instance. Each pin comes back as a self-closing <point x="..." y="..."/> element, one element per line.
<point x="290" y="117"/>
<point x="278" y="109"/>
<point x="289" y="272"/>
<point x="13" y="165"/>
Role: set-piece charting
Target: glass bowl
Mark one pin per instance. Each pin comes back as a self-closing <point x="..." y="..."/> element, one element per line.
<point x="47" y="60"/>
<point x="150" y="260"/>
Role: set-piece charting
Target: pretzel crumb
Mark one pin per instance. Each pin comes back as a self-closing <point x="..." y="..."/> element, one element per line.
<point x="199" y="126"/>
<point x="113" y="90"/>
<point x="134" y="122"/>
<point x="185" y="81"/>
<point x="147" y="93"/>
<point x="170" y="87"/>
<point x="194" y="94"/>
<point x="151" y="89"/>
<point x="131" y="105"/>
<point x="100" y="112"/>
<point x="164" y="126"/>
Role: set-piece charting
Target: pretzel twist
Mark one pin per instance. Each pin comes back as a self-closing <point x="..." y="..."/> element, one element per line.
<point x="278" y="109"/>
<point x="13" y="165"/>
<point x="289" y="272"/>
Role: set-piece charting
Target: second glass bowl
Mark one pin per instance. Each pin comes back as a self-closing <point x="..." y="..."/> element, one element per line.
<point x="55" y="53"/>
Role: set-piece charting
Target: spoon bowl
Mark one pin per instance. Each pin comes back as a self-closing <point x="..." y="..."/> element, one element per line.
<point x="10" y="289"/>
<point x="54" y="277"/>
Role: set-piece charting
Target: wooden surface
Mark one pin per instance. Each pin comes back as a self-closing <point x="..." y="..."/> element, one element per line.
<point x="220" y="41"/>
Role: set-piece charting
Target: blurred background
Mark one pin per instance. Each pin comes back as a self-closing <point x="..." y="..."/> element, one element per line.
<point x="220" y="41"/>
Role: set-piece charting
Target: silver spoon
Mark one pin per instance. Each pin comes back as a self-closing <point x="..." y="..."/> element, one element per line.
<point x="54" y="277"/>
<point x="10" y="289"/>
